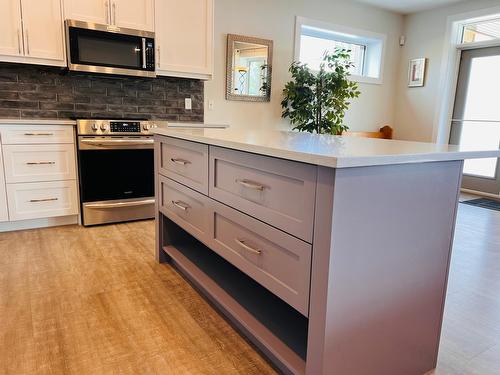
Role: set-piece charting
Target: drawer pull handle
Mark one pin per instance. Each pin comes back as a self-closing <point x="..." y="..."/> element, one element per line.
<point x="181" y="205"/>
<point x="44" y="200"/>
<point x="248" y="248"/>
<point x="39" y="134"/>
<point x="40" y="163"/>
<point x="250" y="184"/>
<point x="180" y="161"/>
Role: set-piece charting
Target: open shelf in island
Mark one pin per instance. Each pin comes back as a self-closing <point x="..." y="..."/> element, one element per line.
<point x="272" y="325"/>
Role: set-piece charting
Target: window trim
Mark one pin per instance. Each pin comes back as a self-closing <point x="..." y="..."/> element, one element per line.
<point x="351" y="34"/>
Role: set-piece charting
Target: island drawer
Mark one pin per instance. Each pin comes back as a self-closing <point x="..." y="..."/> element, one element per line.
<point x="37" y="163"/>
<point x="279" y="262"/>
<point x="278" y="192"/>
<point x="186" y="207"/>
<point x="36" y="134"/>
<point x="42" y="200"/>
<point x="185" y="162"/>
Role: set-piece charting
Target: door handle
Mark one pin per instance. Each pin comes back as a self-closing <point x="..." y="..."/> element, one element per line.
<point x="39" y="134"/>
<point x="106" y="9"/>
<point x="40" y="163"/>
<point x="180" y="161"/>
<point x="27" y="42"/>
<point x="114" y="13"/>
<point x="43" y="200"/>
<point x="19" y="40"/>
<point x="143" y="53"/>
<point x="121" y="204"/>
<point x="248" y="248"/>
<point x="250" y="184"/>
<point x="181" y="205"/>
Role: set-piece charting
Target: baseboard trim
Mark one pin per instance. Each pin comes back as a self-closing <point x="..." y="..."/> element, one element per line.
<point x="38" y="223"/>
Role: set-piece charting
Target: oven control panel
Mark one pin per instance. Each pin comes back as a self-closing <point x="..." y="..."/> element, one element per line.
<point x="117" y="127"/>
<point x="125" y="127"/>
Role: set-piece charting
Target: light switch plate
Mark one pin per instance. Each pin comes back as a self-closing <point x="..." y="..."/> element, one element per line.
<point x="188" y="104"/>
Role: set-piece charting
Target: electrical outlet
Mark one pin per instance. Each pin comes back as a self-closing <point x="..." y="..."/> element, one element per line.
<point x="188" y="104"/>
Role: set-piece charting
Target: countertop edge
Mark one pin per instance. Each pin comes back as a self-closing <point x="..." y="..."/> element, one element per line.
<point x="332" y="161"/>
<point x="14" y="121"/>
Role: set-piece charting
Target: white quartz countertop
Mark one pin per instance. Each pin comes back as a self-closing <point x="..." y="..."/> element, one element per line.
<point x="10" y="121"/>
<point x="326" y="150"/>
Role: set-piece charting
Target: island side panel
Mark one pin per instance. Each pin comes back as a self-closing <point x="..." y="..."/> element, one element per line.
<point x="161" y="235"/>
<point x="380" y="267"/>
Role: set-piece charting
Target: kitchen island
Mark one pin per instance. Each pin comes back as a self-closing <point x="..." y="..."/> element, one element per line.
<point x="330" y="254"/>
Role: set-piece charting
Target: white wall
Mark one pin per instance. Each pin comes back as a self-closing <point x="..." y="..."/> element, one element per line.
<point x="417" y="108"/>
<point x="275" y="19"/>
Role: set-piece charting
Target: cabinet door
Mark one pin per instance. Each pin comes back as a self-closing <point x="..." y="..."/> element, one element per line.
<point x="11" y="42"/>
<point x="184" y="36"/>
<point x="4" y="216"/>
<point x="96" y="11"/>
<point x="133" y="14"/>
<point x="43" y="29"/>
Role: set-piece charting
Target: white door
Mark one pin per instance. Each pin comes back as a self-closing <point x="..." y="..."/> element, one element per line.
<point x="476" y="117"/>
<point x="184" y="36"/>
<point x="43" y="29"/>
<point x="133" y="14"/>
<point x="11" y="37"/>
<point x="4" y="215"/>
<point x="96" y="11"/>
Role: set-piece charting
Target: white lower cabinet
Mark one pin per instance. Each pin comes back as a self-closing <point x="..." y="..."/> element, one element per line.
<point x="38" y="172"/>
<point x="4" y="212"/>
<point x="39" y="163"/>
<point x="42" y="200"/>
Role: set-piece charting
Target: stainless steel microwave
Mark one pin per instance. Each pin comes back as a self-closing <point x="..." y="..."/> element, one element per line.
<point x="110" y="49"/>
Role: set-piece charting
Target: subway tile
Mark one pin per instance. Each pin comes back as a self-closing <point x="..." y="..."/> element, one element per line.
<point x="90" y="107"/>
<point x="39" y="95"/>
<point x="9" y="113"/>
<point x="57" y="106"/>
<point x="38" y="114"/>
<point x="73" y="98"/>
<point x="18" y="104"/>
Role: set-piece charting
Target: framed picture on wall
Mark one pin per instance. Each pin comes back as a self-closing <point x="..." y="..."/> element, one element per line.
<point x="416" y="72"/>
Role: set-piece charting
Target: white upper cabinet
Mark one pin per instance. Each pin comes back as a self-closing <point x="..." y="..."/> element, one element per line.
<point x="133" y="14"/>
<point x="95" y="11"/>
<point x="4" y="216"/>
<point x="43" y="29"/>
<point x="31" y="32"/>
<point x="184" y="38"/>
<point x="11" y="42"/>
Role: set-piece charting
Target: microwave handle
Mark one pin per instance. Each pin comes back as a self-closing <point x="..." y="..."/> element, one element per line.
<point x="144" y="53"/>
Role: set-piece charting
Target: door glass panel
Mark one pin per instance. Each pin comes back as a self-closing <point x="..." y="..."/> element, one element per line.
<point x="484" y="79"/>
<point x="109" y="52"/>
<point x="485" y="134"/>
<point x="478" y="112"/>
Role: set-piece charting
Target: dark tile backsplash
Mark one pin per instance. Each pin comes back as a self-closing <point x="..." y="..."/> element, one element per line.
<point x="42" y="92"/>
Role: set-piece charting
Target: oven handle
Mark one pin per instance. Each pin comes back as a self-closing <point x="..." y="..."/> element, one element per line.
<point x="121" y="204"/>
<point x="117" y="142"/>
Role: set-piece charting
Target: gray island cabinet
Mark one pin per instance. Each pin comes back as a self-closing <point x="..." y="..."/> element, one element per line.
<point x="330" y="254"/>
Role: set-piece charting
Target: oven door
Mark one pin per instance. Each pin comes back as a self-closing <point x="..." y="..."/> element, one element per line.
<point x="116" y="179"/>
<point x="108" y="49"/>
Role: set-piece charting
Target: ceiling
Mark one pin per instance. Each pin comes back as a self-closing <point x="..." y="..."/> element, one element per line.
<point x="409" y="6"/>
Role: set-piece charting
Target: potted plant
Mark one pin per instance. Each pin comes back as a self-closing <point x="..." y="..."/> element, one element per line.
<point x="317" y="101"/>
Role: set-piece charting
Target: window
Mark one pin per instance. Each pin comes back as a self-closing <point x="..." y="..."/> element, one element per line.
<point x="314" y="38"/>
<point x="482" y="31"/>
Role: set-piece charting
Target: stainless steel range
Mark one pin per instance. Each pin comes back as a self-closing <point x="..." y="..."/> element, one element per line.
<point x="116" y="170"/>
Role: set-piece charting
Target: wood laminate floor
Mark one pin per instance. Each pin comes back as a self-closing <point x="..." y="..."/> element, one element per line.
<point x="81" y="301"/>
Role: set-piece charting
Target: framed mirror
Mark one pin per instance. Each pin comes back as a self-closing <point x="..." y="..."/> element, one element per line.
<point x="249" y="67"/>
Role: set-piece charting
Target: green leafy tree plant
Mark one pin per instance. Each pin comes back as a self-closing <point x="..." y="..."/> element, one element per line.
<point x="317" y="101"/>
